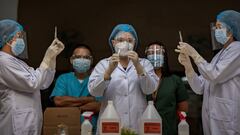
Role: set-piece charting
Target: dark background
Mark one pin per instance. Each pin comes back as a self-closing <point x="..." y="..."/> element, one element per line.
<point x="91" y="22"/>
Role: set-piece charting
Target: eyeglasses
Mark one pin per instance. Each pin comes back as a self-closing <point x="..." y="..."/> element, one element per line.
<point x="80" y="56"/>
<point x="130" y="40"/>
<point x="20" y="35"/>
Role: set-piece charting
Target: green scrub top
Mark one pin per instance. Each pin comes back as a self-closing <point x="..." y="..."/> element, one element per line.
<point x="171" y="91"/>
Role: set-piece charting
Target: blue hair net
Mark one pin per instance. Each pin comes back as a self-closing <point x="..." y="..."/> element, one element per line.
<point x="232" y="19"/>
<point x="8" y="29"/>
<point x="123" y="28"/>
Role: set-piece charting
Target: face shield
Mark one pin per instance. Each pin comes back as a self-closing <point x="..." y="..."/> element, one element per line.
<point x="120" y="28"/>
<point x="24" y="54"/>
<point x="221" y="33"/>
<point x="124" y="42"/>
<point x="215" y="45"/>
<point x="232" y="20"/>
<point x="155" y="55"/>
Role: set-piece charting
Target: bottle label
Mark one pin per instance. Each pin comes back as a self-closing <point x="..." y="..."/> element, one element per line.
<point x="152" y="127"/>
<point x="110" y="127"/>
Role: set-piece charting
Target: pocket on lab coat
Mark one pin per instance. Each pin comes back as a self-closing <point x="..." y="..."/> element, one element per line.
<point x="222" y="109"/>
<point x="24" y="121"/>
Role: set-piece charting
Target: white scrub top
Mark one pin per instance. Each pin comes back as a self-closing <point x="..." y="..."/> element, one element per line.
<point x="219" y="83"/>
<point x="126" y="89"/>
<point x="20" y="101"/>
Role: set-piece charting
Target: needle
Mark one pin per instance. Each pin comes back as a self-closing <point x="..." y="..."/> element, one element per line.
<point x="180" y="36"/>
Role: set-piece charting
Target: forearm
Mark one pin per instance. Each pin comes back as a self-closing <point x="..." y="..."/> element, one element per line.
<point x="139" y="69"/>
<point x="85" y="100"/>
<point x="93" y="106"/>
<point x="97" y="86"/>
<point x="148" y="84"/>
<point x="196" y="83"/>
<point x="107" y="74"/>
<point x="183" y="106"/>
<point x="67" y="101"/>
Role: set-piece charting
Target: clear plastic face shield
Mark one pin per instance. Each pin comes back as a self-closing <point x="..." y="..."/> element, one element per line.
<point x="215" y="44"/>
<point x="219" y="34"/>
<point x="155" y="54"/>
<point x="24" y="54"/>
<point x="19" y="45"/>
<point x="124" y="42"/>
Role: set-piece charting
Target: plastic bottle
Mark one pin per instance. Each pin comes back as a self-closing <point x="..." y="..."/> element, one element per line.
<point x="183" y="127"/>
<point x="62" y="129"/>
<point x="86" y="127"/>
<point x="151" y="121"/>
<point x="110" y="121"/>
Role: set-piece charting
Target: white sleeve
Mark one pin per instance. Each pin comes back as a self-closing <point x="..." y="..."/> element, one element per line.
<point x="22" y="78"/>
<point x="226" y="68"/>
<point x="49" y="77"/>
<point x="97" y="85"/>
<point x="149" y="81"/>
<point x="196" y="83"/>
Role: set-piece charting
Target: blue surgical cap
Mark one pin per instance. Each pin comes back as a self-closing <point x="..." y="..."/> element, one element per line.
<point x="123" y="28"/>
<point x="8" y="29"/>
<point x="232" y="19"/>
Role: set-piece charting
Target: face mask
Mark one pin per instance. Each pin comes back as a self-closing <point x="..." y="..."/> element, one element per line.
<point x="156" y="60"/>
<point x="18" y="46"/>
<point x="221" y="36"/>
<point x="123" y="47"/>
<point x="81" y="65"/>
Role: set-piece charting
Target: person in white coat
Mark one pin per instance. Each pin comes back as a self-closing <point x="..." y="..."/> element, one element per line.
<point x="219" y="81"/>
<point x="124" y="78"/>
<point x="20" y="102"/>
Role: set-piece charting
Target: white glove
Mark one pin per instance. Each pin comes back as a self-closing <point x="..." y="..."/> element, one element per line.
<point x="187" y="49"/>
<point x="113" y="62"/>
<point x="49" y="60"/>
<point x="185" y="61"/>
<point x="134" y="57"/>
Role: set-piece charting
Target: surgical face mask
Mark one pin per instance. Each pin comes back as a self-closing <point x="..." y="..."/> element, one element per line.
<point x="81" y="65"/>
<point x="123" y="47"/>
<point x="156" y="60"/>
<point x="18" y="46"/>
<point x="221" y="36"/>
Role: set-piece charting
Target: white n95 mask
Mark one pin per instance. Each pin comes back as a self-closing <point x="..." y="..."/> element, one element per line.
<point x="123" y="47"/>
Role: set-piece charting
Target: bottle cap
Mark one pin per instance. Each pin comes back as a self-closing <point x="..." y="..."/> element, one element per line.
<point x="150" y="102"/>
<point x="182" y="115"/>
<point x="110" y="102"/>
<point x="87" y="115"/>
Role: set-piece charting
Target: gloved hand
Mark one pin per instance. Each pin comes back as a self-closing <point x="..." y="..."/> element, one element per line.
<point x="186" y="62"/>
<point x="187" y="49"/>
<point x="49" y="60"/>
<point x="134" y="57"/>
<point x="113" y="62"/>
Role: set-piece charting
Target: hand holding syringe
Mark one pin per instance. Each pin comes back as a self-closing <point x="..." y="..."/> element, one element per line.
<point x="59" y="45"/>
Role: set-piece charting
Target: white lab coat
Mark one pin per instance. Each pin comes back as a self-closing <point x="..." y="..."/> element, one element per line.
<point x="20" y="101"/>
<point x="127" y="90"/>
<point x="220" y="85"/>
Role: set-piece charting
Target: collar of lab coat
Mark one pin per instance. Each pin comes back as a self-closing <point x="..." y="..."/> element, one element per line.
<point x="130" y="65"/>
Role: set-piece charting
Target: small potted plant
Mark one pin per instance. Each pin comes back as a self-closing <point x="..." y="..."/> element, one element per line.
<point x="127" y="131"/>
